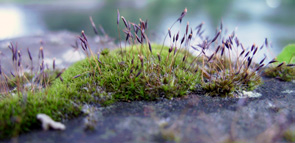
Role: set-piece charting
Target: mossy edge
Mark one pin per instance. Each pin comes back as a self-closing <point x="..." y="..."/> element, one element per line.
<point x="63" y="99"/>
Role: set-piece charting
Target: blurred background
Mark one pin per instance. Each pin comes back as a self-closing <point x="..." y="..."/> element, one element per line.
<point x="254" y="20"/>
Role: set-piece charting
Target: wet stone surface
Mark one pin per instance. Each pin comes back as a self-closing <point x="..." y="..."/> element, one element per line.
<point x="194" y="118"/>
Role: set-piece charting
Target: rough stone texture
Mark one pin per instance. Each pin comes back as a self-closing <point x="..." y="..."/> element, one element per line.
<point x="195" y="118"/>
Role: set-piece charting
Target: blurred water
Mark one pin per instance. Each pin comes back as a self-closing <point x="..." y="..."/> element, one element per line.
<point x="254" y="20"/>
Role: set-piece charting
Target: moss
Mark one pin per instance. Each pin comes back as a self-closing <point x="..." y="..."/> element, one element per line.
<point x="231" y="83"/>
<point x="134" y="74"/>
<point x="285" y="70"/>
<point x="131" y="79"/>
<point x="18" y="113"/>
<point x="44" y="79"/>
<point x="138" y="72"/>
<point x="21" y="104"/>
<point x="134" y="79"/>
<point x="289" y="136"/>
<point x="226" y="77"/>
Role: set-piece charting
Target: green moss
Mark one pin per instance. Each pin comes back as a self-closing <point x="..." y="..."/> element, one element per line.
<point x="129" y="79"/>
<point x="20" y="106"/>
<point x="289" y="136"/>
<point x="286" y="71"/>
<point x="230" y="83"/>
<point x="18" y="113"/>
<point x="139" y="72"/>
<point x="226" y="77"/>
<point x="104" y="83"/>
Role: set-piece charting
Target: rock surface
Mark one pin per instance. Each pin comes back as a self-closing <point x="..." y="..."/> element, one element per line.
<point x="192" y="119"/>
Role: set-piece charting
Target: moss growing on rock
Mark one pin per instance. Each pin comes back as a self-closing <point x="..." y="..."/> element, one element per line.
<point x="139" y="77"/>
<point x="18" y="113"/>
<point x="285" y="70"/>
<point x="139" y="72"/>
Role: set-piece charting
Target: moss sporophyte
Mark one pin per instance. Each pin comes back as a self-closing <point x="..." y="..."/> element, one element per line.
<point x="284" y="67"/>
<point x="220" y="66"/>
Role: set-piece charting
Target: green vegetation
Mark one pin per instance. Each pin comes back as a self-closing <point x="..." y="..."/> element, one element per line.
<point x="286" y="69"/>
<point x="283" y="72"/>
<point x="83" y="83"/>
<point x="226" y="77"/>
<point x="289" y="136"/>
<point x="135" y="78"/>
<point x="25" y="94"/>
<point x="287" y="54"/>
<point x="140" y="71"/>
<point x="18" y="113"/>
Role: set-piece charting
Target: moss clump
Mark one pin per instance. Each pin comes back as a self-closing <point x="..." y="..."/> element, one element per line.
<point x="230" y="83"/>
<point x="289" y="136"/>
<point x="134" y="79"/>
<point x="226" y="77"/>
<point x="18" y="113"/>
<point x="285" y="70"/>
<point x="139" y="77"/>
